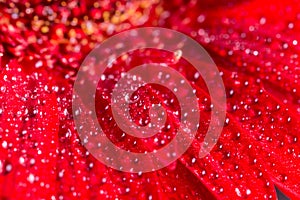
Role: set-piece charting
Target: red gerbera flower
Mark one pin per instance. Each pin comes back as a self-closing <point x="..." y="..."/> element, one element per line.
<point x="253" y="43"/>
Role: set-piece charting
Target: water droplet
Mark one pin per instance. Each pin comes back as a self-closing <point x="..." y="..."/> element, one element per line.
<point x="238" y="192"/>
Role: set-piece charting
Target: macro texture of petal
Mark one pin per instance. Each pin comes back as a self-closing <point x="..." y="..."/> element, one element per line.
<point x="255" y="45"/>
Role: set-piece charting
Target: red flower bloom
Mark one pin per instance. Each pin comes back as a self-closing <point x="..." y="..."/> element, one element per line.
<point x="255" y="46"/>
